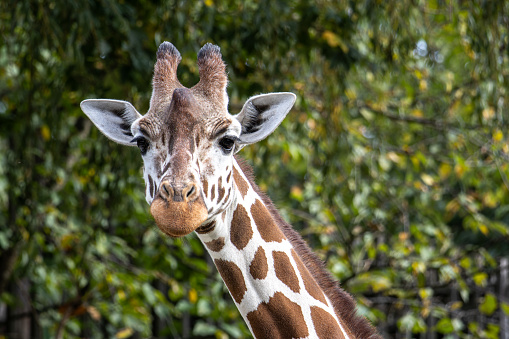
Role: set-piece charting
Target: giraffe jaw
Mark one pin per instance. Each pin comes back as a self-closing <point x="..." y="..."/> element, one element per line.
<point x="178" y="219"/>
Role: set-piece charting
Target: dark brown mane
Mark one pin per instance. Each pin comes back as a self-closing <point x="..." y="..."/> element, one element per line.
<point x="343" y="303"/>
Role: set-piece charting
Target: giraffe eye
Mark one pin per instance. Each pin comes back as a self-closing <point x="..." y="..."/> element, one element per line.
<point x="227" y="144"/>
<point x="142" y="143"/>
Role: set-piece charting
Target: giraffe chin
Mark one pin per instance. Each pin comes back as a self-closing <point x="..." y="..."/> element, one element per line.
<point x="178" y="219"/>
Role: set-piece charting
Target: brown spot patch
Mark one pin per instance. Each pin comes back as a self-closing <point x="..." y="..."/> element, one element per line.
<point x="215" y="245"/>
<point x="309" y="283"/>
<point x="227" y="194"/>
<point x="279" y="318"/>
<point x="212" y="192"/>
<point x="344" y="304"/>
<point x="232" y="277"/>
<point x="206" y="228"/>
<point x="220" y="190"/>
<point x="240" y="231"/>
<point x="151" y="186"/>
<point x="325" y="324"/>
<point x="242" y="185"/>
<point x="205" y="187"/>
<point x="265" y="224"/>
<point x="284" y="271"/>
<point x="228" y="176"/>
<point x="259" y="266"/>
<point x="166" y="167"/>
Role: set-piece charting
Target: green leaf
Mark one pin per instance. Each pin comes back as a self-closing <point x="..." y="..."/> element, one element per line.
<point x="232" y="330"/>
<point x="149" y="294"/>
<point x="480" y="278"/>
<point x="425" y="293"/>
<point x="492" y="331"/>
<point x="204" y="308"/>
<point x="124" y="333"/>
<point x="444" y="326"/>
<point x="488" y="304"/>
<point x="407" y="322"/>
<point x="201" y="328"/>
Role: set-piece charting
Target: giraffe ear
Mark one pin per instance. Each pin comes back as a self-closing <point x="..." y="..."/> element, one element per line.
<point x="112" y="117"/>
<point x="261" y="115"/>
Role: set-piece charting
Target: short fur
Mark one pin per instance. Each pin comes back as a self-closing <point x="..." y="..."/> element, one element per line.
<point x="343" y="303"/>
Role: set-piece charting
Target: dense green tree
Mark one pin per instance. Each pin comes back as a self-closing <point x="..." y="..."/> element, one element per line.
<point x="394" y="163"/>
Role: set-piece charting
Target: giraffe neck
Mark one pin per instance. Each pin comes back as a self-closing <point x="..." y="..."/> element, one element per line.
<point x="273" y="289"/>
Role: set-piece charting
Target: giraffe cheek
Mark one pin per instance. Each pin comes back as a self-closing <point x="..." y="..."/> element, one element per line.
<point x="178" y="219"/>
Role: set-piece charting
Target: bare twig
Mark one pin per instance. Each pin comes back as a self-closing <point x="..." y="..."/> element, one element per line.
<point x="61" y="324"/>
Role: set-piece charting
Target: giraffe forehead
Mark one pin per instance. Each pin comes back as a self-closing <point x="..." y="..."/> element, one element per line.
<point x="184" y="114"/>
<point x="189" y="109"/>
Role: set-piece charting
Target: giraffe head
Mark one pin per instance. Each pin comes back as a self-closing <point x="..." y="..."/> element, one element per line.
<point x="187" y="138"/>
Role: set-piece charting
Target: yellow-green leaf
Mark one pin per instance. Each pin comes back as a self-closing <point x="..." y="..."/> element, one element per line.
<point x="445" y="326"/>
<point x="505" y="308"/>
<point x="488" y="304"/>
<point x="444" y="170"/>
<point x="124" y="333"/>
<point x="193" y="295"/>
<point x="45" y="132"/>
<point x="498" y="135"/>
<point x="480" y="279"/>
<point x="334" y="40"/>
<point x="427" y="179"/>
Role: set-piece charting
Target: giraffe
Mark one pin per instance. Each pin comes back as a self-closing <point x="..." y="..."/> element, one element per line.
<point x="195" y="182"/>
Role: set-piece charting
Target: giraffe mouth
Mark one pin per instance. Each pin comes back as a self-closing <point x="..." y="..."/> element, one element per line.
<point x="178" y="218"/>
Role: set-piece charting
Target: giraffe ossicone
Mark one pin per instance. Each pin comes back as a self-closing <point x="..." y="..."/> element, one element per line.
<point x="195" y="182"/>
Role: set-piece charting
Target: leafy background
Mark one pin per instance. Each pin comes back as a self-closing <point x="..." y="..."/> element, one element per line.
<point x="393" y="164"/>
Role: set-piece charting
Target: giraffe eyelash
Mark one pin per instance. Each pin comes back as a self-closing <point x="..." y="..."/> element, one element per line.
<point x="142" y="143"/>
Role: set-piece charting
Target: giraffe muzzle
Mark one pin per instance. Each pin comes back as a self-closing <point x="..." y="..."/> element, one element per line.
<point x="178" y="209"/>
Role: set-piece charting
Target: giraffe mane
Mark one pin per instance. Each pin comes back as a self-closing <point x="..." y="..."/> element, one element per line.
<point x="343" y="303"/>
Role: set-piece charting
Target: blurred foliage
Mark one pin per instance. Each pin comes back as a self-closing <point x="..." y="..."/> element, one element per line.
<point x="395" y="159"/>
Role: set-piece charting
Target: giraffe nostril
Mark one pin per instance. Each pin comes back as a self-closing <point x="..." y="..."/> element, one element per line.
<point x="190" y="192"/>
<point x="166" y="190"/>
